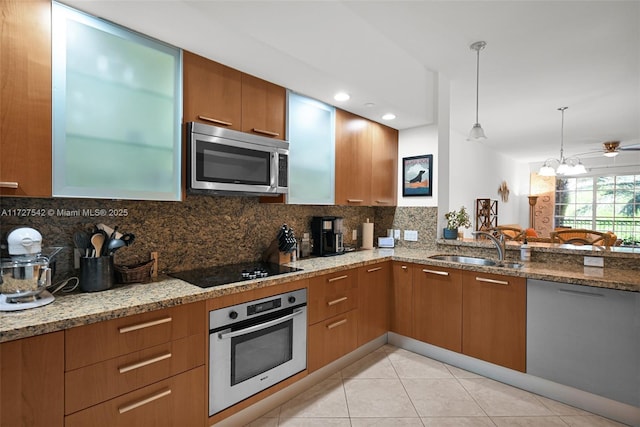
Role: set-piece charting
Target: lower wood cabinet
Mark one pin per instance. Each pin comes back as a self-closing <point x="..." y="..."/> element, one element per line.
<point x="494" y="318"/>
<point x="373" y="301"/>
<point x="437" y="306"/>
<point x="331" y="339"/>
<point x="32" y="381"/>
<point x="178" y="400"/>
<point x="401" y="303"/>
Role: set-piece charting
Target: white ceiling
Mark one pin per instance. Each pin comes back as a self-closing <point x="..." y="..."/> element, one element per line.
<point x="540" y="55"/>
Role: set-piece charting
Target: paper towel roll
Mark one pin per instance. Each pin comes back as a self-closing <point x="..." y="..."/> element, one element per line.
<point x="367" y="235"/>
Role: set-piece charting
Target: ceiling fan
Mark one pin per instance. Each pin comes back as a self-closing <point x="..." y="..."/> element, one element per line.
<point x="613" y="148"/>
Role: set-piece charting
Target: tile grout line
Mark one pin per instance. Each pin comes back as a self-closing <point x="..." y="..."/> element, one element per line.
<point x="403" y="386"/>
<point x="470" y="395"/>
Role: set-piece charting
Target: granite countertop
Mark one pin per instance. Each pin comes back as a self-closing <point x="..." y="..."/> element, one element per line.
<point x="68" y="311"/>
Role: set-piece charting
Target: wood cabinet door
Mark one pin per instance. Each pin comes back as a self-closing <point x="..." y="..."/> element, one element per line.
<point x="353" y="160"/>
<point x="212" y="92"/>
<point x="373" y="301"/>
<point x="331" y="339"/>
<point x="494" y="319"/>
<point x="401" y="307"/>
<point x="264" y="107"/>
<point x="437" y="306"/>
<point x="384" y="165"/>
<point x="25" y="98"/>
<point x="32" y="381"/>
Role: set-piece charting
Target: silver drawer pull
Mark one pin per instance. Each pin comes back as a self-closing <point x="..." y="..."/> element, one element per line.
<point x="382" y="202"/>
<point x="371" y="270"/>
<point x="335" y="279"/>
<point x="216" y="121"/>
<point x="404" y="267"/>
<point x="336" y="324"/>
<point x="495" y="282"/>
<point x="579" y="293"/>
<point x="265" y="132"/>
<point x="336" y="301"/>
<point x="144" y="401"/>
<point x="132" y="328"/>
<point x="143" y="363"/>
<point x="355" y="200"/>
<point x="6" y="184"/>
<point x="439" y="273"/>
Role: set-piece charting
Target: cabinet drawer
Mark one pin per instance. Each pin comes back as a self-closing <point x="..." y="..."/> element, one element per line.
<point x="331" y="339"/>
<point x="177" y="401"/>
<point x="102" y="381"/>
<point x="332" y="294"/>
<point x="94" y="343"/>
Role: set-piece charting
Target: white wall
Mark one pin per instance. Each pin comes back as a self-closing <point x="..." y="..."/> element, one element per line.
<point x="416" y="142"/>
<point x="476" y="172"/>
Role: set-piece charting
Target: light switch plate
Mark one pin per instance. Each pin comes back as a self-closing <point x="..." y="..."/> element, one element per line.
<point x="354" y="234"/>
<point x="411" y="235"/>
<point x="396" y="234"/>
<point x="594" y="261"/>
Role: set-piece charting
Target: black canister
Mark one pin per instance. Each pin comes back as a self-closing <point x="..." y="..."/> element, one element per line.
<point x="96" y="273"/>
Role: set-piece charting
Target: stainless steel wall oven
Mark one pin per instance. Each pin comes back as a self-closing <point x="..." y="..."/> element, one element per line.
<point x="255" y="345"/>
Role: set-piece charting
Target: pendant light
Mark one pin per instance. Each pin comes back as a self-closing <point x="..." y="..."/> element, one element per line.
<point x="565" y="166"/>
<point x="477" y="132"/>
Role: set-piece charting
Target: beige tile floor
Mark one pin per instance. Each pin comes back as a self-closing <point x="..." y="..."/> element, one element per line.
<point x="395" y="387"/>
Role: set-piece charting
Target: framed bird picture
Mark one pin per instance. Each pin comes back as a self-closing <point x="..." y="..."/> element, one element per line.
<point x="417" y="175"/>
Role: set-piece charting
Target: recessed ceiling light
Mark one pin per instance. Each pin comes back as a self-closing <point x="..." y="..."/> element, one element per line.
<point x="389" y="116"/>
<point x="341" y="96"/>
<point x="369" y="104"/>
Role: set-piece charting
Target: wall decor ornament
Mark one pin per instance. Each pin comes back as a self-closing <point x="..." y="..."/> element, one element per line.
<point x="417" y="176"/>
<point x="503" y="191"/>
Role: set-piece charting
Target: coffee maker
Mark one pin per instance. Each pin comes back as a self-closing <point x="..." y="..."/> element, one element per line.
<point x="327" y="235"/>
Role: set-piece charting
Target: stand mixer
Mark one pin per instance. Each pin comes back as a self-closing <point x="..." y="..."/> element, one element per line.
<point x="26" y="274"/>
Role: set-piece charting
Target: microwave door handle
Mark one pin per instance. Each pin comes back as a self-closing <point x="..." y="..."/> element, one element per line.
<point x="273" y="180"/>
<point x="260" y="326"/>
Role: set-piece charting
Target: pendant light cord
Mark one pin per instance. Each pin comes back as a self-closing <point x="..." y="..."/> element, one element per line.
<point x="561" y="109"/>
<point x="477" y="83"/>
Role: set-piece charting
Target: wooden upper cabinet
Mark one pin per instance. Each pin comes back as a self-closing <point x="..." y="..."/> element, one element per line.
<point x="218" y="95"/>
<point x="353" y="160"/>
<point x="384" y="165"/>
<point x="366" y="162"/>
<point x="264" y="107"/>
<point x="212" y="92"/>
<point x="25" y="98"/>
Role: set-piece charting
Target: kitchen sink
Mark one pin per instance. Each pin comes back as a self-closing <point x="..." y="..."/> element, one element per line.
<point x="476" y="261"/>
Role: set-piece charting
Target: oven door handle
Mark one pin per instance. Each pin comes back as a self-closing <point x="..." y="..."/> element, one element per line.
<point x="260" y="326"/>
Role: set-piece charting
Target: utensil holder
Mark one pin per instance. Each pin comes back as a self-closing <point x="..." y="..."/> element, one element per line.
<point x="96" y="273"/>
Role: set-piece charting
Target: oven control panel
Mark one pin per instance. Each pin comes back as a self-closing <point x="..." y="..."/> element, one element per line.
<point x="238" y="313"/>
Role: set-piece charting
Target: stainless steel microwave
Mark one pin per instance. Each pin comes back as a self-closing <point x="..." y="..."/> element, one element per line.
<point x="225" y="161"/>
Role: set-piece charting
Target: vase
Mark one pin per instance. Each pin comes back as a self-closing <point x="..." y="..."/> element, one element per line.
<point x="451" y="234"/>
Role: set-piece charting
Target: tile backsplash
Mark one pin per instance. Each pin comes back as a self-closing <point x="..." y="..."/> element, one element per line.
<point x="199" y="231"/>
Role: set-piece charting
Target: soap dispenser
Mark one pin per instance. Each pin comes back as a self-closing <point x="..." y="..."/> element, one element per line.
<point x="525" y="251"/>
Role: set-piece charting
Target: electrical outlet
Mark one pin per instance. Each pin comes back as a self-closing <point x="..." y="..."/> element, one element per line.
<point x="396" y="234"/>
<point x="354" y="234"/>
<point x="594" y="261"/>
<point x="411" y="235"/>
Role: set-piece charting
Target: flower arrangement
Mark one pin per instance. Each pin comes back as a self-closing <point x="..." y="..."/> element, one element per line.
<point x="457" y="219"/>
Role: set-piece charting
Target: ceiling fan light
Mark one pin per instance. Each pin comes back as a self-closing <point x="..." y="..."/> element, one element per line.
<point x="476" y="133"/>
<point x="611" y="153"/>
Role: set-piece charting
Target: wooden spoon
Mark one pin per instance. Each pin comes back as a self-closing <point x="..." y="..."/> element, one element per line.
<point x="97" y="240"/>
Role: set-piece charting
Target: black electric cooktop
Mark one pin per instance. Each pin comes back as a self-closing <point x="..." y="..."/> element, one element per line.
<point x="224" y="274"/>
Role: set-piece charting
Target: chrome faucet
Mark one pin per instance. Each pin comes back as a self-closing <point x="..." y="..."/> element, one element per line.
<point x="499" y="242"/>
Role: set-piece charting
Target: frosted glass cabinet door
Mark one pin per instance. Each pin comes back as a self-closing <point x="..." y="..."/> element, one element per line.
<point x="311" y="151"/>
<point x="117" y="107"/>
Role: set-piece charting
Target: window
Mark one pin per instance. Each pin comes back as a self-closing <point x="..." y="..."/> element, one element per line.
<point x="602" y="203"/>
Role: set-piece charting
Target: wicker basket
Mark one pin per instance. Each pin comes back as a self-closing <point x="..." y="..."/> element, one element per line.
<point x="136" y="273"/>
